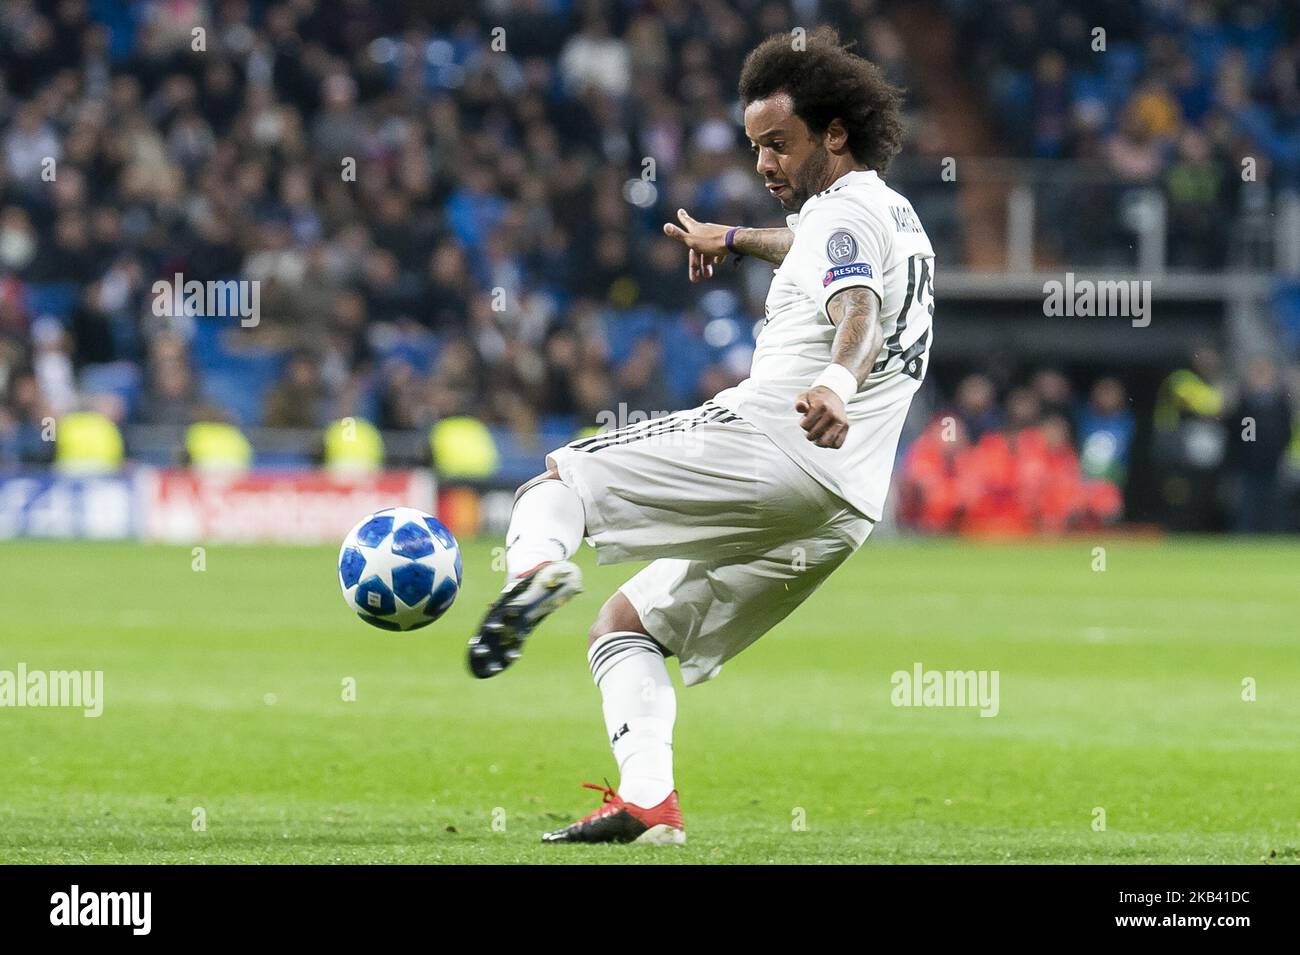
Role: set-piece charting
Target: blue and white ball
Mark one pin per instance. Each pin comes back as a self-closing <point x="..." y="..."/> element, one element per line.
<point x="400" y="569"/>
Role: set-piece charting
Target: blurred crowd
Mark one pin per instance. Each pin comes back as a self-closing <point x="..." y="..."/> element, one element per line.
<point x="1033" y="461"/>
<point x="457" y="211"/>
<point x="1040" y="458"/>
<point x="1196" y="98"/>
<point x="443" y="219"/>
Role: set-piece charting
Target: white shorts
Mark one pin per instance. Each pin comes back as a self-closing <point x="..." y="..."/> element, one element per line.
<point x="738" y="533"/>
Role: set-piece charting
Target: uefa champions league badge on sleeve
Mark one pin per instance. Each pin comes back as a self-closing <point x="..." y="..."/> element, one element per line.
<point x="841" y="248"/>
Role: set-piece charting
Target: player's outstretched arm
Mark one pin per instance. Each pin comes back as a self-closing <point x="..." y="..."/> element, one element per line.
<point x="855" y="312"/>
<point x="706" y="243"/>
<point x="768" y="244"/>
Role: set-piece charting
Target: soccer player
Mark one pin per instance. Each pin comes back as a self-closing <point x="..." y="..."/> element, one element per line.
<point x="746" y="504"/>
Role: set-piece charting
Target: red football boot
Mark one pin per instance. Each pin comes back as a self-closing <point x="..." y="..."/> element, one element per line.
<point x="620" y="821"/>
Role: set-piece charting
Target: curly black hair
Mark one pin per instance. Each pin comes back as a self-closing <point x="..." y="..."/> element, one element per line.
<point x="827" y="82"/>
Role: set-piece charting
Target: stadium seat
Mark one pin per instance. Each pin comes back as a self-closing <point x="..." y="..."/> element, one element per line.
<point x="122" y="378"/>
<point x="694" y="346"/>
<point x="420" y="350"/>
<point x="561" y="424"/>
<point x="234" y="391"/>
<point x="624" y="329"/>
<point x="55" y="298"/>
<point x="1286" y="309"/>
<point x="1087" y="86"/>
<point x="520" y="460"/>
<point x="1207" y="44"/>
<point x="205" y="344"/>
<point x="1123" y="65"/>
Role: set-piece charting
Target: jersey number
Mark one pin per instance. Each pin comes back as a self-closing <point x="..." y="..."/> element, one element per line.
<point x="920" y="294"/>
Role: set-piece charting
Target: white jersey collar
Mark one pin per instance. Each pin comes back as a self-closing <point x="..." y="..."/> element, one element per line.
<point x="792" y="220"/>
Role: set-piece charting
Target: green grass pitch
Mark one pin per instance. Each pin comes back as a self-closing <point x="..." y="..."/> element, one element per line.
<point x="1120" y="690"/>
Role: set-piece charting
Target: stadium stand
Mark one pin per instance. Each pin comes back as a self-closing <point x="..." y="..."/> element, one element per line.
<point x="444" y="231"/>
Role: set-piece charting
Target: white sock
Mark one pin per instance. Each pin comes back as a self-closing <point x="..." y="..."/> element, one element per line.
<point x="640" y="709"/>
<point x="546" y="524"/>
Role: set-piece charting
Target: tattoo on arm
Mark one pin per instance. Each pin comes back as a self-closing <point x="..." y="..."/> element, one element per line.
<point x="768" y="244"/>
<point x="859" y="337"/>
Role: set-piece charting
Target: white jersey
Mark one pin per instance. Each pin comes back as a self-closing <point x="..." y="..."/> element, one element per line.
<point x="859" y="233"/>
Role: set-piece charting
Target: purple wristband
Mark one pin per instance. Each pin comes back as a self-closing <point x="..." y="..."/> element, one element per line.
<point x="731" y="234"/>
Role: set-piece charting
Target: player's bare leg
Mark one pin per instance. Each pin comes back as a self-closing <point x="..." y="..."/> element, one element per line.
<point x="640" y="708"/>
<point x="546" y="528"/>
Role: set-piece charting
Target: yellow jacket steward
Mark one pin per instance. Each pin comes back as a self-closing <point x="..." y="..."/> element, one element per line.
<point x="463" y="448"/>
<point x="87" y="442"/>
<point x="1185" y="393"/>
<point x="216" y="446"/>
<point x="353" y="445"/>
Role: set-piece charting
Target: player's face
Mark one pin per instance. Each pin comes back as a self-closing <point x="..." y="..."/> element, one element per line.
<point x="792" y="161"/>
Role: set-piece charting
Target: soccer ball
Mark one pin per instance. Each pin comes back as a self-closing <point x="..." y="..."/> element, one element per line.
<point x="400" y="569"/>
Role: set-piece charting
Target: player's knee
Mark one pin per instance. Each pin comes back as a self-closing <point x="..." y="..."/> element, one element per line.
<point x="616" y="615"/>
<point x="551" y="475"/>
